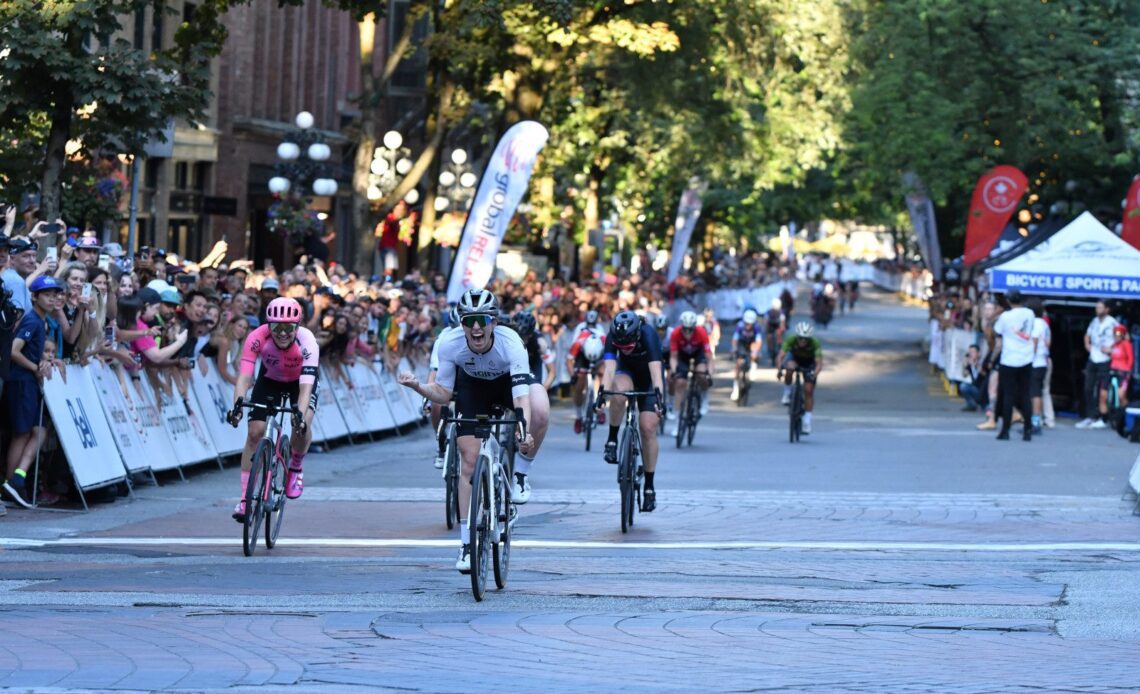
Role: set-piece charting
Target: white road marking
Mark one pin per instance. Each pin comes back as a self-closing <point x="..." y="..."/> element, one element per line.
<point x="574" y="544"/>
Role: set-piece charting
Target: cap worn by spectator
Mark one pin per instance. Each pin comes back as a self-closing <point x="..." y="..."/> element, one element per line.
<point x="149" y="296"/>
<point x="172" y="297"/>
<point x="160" y="286"/>
<point x="114" y="250"/>
<point x="1013" y="296"/>
<point x="21" y="244"/>
<point x="89" y="243"/>
<point x="46" y="283"/>
<point x="270" y="283"/>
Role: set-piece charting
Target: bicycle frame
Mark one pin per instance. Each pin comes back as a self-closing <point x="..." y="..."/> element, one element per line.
<point x="629" y="448"/>
<point x="265" y="492"/>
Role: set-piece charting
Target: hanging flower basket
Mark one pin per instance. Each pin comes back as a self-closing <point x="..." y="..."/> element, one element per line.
<point x="290" y="216"/>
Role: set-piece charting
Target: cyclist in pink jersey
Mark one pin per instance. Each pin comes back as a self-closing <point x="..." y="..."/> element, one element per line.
<point x="289" y="362"/>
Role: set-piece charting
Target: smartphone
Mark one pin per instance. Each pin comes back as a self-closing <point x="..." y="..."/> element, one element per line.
<point x="104" y="261"/>
<point x="53" y="228"/>
<point x="109" y="333"/>
<point x="87" y="290"/>
<point x="52" y="253"/>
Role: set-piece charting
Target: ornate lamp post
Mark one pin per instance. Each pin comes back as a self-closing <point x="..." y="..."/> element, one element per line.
<point x="456" y="184"/>
<point x="300" y="171"/>
<point x="390" y="163"/>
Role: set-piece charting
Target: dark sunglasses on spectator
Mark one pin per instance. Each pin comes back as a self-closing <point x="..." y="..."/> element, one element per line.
<point x="476" y="319"/>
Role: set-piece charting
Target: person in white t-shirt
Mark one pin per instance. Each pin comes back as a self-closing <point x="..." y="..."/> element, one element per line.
<point x="1014" y="333"/>
<point x="1042" y="338"/>
<point x="1098" y="341"/>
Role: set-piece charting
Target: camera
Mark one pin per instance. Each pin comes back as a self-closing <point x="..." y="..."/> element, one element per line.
<point x="53" y="228"/>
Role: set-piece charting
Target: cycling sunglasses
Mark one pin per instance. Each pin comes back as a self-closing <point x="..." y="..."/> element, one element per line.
<point x="476" y="319"/>
<point x="283" y="328"/>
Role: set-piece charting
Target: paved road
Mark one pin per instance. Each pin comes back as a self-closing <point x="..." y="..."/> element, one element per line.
<point x="896" y="549"/>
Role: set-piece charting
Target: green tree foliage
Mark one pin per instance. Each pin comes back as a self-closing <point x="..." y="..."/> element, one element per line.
<point x="950" y="89"/>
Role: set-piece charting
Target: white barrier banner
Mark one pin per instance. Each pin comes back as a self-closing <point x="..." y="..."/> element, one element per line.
<point x="124" y="419"/>
<point x="189" y="441"/>
<point x="82" y="429"/>
<point x="503" y="185"/>
<point x="345" y="399"/>
<point x="151" y="426"/>
<point x="412" y="408"/>
<point x="330" y="422"/>
<point x="370" y="392"/>
<point x="955" y="342"/>
<point x="215" y="398"/>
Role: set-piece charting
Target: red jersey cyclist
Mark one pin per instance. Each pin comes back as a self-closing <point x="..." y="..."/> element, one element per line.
<point x="289" y="361"/>
<point x="689" y="350"/>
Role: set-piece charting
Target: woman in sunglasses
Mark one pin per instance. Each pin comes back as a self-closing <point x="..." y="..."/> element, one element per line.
<point x="289" y="362"/>
<point x="486" y="365"/>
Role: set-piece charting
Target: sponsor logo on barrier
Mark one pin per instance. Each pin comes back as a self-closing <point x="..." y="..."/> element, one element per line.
<point x="218" y="400"/>
<point x="178" y="425"/>
<point x="82" y="423"/>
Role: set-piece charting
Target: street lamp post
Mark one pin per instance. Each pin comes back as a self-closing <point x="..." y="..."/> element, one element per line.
<point x="455" y="192"/>
<point x="390" y="163"/>
<point x="301" y="171"/>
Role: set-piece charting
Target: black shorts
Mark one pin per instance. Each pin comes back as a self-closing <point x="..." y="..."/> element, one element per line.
<point x="476" y="396"/>
<point x="807" y="365"/>
<point x="687" y="362"/>
<point x="642" y="380"/>
<point x="268" y="392"/>
<point x="1037" y="382"/>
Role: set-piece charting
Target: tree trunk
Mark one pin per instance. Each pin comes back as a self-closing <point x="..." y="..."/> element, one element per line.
<point x="363" y="220"/>
<point x="61" y="117"/>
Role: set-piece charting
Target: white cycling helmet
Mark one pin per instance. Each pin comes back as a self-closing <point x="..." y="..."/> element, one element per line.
<point x="804" y="329"/>
<point x="478" y="301"/>
<point x="592" y="348"/>
<point x="688" y="319"/>
<point x="750" y="317"/>
<point x="661" y="321"/>
<point x="777" y="304"/>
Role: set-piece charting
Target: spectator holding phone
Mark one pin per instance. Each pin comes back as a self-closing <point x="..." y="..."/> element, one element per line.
<point x="87" y="251"/>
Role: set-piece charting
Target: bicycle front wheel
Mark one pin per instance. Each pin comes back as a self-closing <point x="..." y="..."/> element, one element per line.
<point x="589" y="421"/>
<point x="451" y="484"/>
<point x="796" y="410"/>
<point x="255" y="493"/>
<point x="503" y="512"/>
<point x="275" y="513"/>
<point x="626" y="479"/>
<point x="479" y="528"/>
<point x="694" y="408"/>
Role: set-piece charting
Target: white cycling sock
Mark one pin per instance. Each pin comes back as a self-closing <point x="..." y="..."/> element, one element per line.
<point x="580" y="410"/>
<point x="807" y="418"/>
<point x="787" y="391"/>
<point x="522" y="464"/>
<point x="463" y="532"/>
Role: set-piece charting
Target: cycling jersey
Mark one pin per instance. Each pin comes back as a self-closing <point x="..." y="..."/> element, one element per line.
<point x="687" y="346"/>
<point x="802" y="354"/>
<point x="506" y="357"/>
<point x="433" y="363"/>
<point x="539" y="355"/>
<point x="597" y="329"/>
<point x="745" y="334"/>
<point x="634" y="361"/>
<point x="298" y="362"/>
<point x="775" y="317"/>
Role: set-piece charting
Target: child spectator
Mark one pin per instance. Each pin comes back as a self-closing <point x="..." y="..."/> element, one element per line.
<point x="23" y="396"/>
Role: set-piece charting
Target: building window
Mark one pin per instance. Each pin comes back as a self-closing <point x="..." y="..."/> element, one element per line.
<point x="156" y="38"/>
<point x="182" y="175"/>
<point x="140" y="28"/>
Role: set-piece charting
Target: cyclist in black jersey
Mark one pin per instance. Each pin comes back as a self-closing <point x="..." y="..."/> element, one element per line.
<point x="633" y="362"/>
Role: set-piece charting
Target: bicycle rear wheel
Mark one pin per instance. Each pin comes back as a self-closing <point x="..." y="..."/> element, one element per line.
<point x="479" y="529"/>
<point x="694" y="408"/>
<point x="503" y="512"/>
<point x="275" y="514"/>
<point x="255" y="496"/>
<point x="625" y="478"/>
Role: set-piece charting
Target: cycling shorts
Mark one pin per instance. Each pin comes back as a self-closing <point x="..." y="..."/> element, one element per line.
<point x="642" y="380"/>
<point x="268" y="392"/>
<point x="476" y="396"/>
<point x="688" y="362"/>
<point x="807" y="365"/>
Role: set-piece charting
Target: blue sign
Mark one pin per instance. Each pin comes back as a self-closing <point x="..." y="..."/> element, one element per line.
<point x="1066" y="285"/>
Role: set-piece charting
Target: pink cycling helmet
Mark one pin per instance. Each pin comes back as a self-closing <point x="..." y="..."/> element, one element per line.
<point x="283" y="310"/>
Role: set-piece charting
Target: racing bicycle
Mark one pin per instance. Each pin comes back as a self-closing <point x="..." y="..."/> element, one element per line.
<point x="447" y="443"/>
<point x="743" y="378"/>
<point x="265" y="491"/>
<point x="690" y="412"/>
<point x="796" y="406"/>
<point x="492" y="514"/>
<point x="590" y="421"/>
<point x="630" y="472"/>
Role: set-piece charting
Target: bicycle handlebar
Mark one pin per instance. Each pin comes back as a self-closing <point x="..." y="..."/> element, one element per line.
<point x="488" y="420"/>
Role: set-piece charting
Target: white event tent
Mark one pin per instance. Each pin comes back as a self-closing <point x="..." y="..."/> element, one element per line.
<point x="1083" y="259"/>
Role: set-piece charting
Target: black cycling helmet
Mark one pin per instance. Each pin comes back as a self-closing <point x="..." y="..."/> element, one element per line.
<point x="626" y="326"/>
<point x="525" y="325"/>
